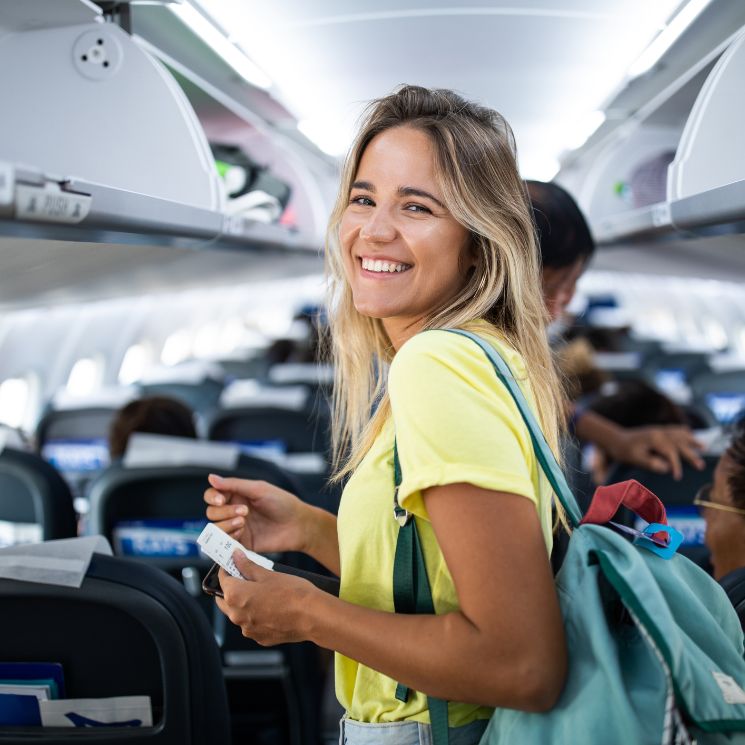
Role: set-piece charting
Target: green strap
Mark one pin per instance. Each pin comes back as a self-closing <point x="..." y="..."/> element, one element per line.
<point x="545" y="457"/>
<point x="412" y="594"/>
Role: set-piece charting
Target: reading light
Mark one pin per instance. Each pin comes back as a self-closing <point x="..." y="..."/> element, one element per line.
<point x="667" y="37"/>
<point x="220" y="45"/>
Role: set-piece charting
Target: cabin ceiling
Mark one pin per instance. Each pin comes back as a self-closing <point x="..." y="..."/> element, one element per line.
<point x="545" y="64"/>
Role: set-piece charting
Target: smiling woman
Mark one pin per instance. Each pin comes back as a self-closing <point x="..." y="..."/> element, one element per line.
<point x="431" y="231"/>
<point x="397" y="231"/>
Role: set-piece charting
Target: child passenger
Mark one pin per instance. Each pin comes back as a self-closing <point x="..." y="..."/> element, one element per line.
<point x="432" y="230"/>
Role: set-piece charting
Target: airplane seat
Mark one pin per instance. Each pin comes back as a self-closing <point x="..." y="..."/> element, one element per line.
<point x="75" y="442"/>
<point x="722" y="393"/>
<point x="136" y="508"/>
<point x="672" y="372"/>
<point x="35" y="502"/>
<point x="128" y="630"/>
<point x="200" y="397"/>
<point x="291" y="430"/>
<point x="289" y="436"/>
<point x="164" y="497"/>
<point x="677" y="496"/>
<point x="251" y="368"/>
<point x="734" y="585"/>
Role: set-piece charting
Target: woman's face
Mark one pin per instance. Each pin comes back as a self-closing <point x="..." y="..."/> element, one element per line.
<point x="559" y="286"/>
<point x="725" y="531"/>
<point x="404" y="253"/>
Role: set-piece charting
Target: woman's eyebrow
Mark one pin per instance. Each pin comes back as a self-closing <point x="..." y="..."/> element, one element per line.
<point x="410" y="191"/>
<point x="364" y="185"/>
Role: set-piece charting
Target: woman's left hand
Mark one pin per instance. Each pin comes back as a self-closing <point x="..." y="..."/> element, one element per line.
<point x="270" y="607"/>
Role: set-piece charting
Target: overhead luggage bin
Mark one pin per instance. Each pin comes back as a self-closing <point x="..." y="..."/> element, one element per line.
<point x="678" y="165"/>
<point x="98" y="140"/>
<point x="706" y="181"/>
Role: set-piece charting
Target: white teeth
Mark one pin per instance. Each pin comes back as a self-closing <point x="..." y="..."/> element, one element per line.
<point x="378" y="265"/>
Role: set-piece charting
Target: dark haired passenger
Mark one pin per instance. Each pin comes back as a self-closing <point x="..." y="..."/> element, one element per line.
<point x="157" y="415"/>
<point x="567" y="246"/>
<point x="722" y="505"/>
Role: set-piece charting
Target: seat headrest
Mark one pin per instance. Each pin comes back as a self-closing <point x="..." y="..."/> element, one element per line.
<point x="301" y="372"/>
<point x="250" y="393"/>
<point x="105" y="398"/>
<point x="192" y="372"/>
<point x="62" y="562"/>
<point x="148" y="451"/>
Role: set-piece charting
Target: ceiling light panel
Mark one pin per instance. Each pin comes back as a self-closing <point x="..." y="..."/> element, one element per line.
<point x="547" y="65"/>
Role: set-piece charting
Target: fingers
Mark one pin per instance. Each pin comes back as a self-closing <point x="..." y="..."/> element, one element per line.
<point x="656" y="464"/>
<point x="692" y="455"/>
<point x="688" y="446"/>
<point x="248" y="488"/>
<point x="667" y="449"/>
<point x="249" y="569"/>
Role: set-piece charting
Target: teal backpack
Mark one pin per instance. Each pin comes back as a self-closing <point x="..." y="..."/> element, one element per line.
<point x="655" y="647"/>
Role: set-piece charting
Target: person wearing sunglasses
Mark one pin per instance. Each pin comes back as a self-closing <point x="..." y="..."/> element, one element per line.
<point x="722" y="504"/>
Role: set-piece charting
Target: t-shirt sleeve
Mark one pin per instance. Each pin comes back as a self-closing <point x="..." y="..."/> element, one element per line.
<point x="455" y="422"/>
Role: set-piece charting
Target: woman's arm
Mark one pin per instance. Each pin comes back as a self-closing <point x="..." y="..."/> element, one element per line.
<point x="505" y="647"/>
<point x="322" y="540"/>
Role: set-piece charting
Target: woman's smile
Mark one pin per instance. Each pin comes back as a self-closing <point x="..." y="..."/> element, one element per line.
<point x="382" y="267"/>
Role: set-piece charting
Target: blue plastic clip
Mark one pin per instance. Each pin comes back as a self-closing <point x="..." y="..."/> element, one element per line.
<point x="645" y="540"/>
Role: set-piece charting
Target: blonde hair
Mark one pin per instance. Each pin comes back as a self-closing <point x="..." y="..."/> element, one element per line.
<point x="475" y="162"/>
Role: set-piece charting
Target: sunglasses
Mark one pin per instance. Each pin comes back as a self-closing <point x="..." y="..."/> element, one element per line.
<point x="702" y="500"/>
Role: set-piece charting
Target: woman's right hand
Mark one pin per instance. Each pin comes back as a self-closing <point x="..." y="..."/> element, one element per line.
<point x="262" y="517"/>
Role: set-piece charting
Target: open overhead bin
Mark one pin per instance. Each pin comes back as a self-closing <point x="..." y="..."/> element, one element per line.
<point x="99" y="142"/>
<point x="706" y="181"/>
<point x="678" y="164"/>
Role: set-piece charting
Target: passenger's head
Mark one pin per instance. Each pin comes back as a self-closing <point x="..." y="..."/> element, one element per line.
<point x="565" y="243"/>
<point x="431" y="188"/>
<point x="723" y="506"/>
<point x="158" y="415"/>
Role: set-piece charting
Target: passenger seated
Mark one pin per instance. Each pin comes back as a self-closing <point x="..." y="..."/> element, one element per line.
<point x="157" y="415"/>
<point x="566" y="247"/>
<point x="722" y="504"/>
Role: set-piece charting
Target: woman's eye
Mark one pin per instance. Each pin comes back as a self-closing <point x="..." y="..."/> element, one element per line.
<point x="362" y="201"/>
<point x="418" y="208"/>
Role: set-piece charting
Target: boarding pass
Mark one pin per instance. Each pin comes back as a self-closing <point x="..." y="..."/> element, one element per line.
<point x="219" y="546"/>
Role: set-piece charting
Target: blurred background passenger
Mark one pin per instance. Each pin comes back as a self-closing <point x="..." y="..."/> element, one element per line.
<point x="632" y="404"/>
<point x="722" y="504"/>
<point x="157" y="415"/>
<point x="567" y="246"/>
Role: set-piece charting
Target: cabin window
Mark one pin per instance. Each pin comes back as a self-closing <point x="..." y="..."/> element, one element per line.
<point x="231" y="336"/>
<point x="15" y="401"/>
<point x="177" y="348"/>
<point x="207" y="341"/>
<point x="135" y="363"/>
<point x="85" y="377"/>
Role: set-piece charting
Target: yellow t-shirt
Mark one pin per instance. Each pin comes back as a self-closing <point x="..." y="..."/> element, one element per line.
<point x="454" y="422"/>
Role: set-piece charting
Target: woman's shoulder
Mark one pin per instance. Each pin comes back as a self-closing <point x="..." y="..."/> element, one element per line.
<point x="443" y="347"/>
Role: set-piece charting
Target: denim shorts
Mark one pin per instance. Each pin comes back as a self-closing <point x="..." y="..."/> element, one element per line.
<point x="405" y="733"/>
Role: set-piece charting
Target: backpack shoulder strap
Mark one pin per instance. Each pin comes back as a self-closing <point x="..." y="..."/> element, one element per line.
<point x="545" y="457"/>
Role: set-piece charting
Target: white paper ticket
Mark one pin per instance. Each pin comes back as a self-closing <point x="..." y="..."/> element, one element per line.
<point x="219" y="546"/>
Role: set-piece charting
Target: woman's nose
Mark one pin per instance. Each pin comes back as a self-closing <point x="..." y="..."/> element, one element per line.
<point x="378" y="228"/>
